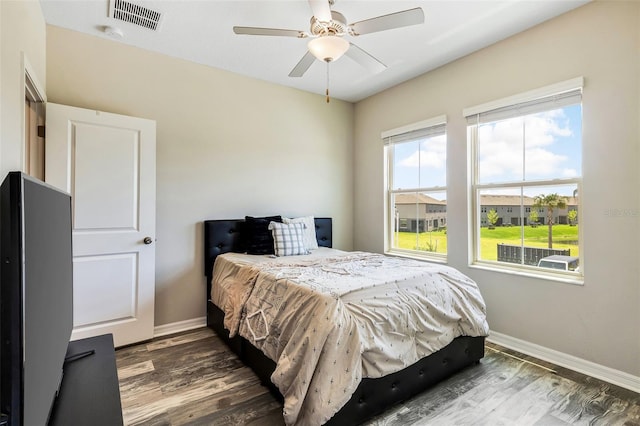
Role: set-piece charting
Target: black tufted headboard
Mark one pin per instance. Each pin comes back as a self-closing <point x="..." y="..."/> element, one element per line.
<point x="222" y="236"/>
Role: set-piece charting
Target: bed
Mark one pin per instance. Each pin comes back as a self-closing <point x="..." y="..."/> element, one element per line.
<point x="366" y="398"/>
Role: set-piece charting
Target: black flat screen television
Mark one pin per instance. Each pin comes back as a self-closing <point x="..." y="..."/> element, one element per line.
<point x="36" y="296"/>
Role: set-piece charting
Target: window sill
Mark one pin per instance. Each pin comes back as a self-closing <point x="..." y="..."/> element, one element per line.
<point x="415" y="256"/>
<point x="566" y="278"/>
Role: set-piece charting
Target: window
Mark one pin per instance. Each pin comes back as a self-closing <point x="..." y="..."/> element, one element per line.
<point x="527" y="156"/>
<point x="416" y="157"/>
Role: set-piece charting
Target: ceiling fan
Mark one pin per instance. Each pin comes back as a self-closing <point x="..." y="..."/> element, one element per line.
<point x="327" y="32"/>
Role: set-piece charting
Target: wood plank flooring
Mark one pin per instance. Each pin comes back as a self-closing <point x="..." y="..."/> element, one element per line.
<point x="194" y="379"/>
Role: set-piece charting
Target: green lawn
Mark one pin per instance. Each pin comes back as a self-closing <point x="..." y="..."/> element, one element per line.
<point x="564" y="237"/>
<point x="436" y="240"/>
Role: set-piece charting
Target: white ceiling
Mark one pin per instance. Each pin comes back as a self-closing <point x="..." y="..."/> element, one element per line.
<point x="201" y="31"/>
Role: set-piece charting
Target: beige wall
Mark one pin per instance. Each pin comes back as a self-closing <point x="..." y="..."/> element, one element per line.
<point x="227" y="146"/>
<point x="599" y="321"/>
<point x="22" y="35"/>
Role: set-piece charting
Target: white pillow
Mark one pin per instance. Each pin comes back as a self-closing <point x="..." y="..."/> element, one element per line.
<point x="288" y="238"/>
<point x="310" y="239"/>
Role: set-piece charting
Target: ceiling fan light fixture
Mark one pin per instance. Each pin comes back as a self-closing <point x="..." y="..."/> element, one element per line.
<point x="328" y="48"/>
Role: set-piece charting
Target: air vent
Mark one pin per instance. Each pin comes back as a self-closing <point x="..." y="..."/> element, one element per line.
<point x="135" y="14"/>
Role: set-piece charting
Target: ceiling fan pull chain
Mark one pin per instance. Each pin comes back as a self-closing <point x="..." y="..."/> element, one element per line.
<point x="327" y="82"/>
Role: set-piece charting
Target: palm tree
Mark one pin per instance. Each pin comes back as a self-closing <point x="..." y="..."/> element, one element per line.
<point x="550" y="202"/>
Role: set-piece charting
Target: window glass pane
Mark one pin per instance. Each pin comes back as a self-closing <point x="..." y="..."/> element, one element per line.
<point x="420" y="163"/>
<point x="552" y="141"/>
<point x="553" y="224"/>
<point x="433" y="162"/>
<point x="500" y="224"/>
<point x="539" y="146"/>
<point x="500" y="151"/>
<point x="405" y="221"/>
<point x="514" y="226"/>
<point x="420" y="221"/>
<point x="406" y="172"/>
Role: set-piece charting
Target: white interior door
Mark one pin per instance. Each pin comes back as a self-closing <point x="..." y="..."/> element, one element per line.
<point x="107" y="163"/>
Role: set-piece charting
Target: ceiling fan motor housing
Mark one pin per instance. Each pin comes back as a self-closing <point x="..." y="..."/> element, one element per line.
<point x="337" y="26"/>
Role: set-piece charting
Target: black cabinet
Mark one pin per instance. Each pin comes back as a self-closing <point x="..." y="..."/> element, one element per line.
<point x="89" y="394"/>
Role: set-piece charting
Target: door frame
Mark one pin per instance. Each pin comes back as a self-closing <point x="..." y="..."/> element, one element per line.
<point x="32" y="91"/>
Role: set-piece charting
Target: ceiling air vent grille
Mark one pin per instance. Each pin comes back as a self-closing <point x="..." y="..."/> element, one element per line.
<point x="135" y="14"/>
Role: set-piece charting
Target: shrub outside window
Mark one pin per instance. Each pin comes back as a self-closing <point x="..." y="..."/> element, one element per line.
<point x="526" y="177"/>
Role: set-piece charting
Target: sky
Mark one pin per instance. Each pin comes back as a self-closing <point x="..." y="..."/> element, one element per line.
<point x="540" y="146"/>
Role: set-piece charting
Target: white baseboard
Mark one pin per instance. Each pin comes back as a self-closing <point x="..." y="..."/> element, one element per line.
<point x="613" y="376"/>
<point x="177" y="327"/>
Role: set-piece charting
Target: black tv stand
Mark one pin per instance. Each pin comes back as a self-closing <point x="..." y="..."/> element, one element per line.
<point x="89" y="394"/>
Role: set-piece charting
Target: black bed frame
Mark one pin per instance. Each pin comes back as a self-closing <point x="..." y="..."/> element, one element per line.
<point x="373" y="396"/>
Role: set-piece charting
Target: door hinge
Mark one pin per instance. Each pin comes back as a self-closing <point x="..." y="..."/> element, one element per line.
<point x="41" y="131"/>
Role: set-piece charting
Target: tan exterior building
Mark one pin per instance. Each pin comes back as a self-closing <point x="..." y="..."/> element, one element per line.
<point x="419" y="212"/>
<point x="424" y="213"/>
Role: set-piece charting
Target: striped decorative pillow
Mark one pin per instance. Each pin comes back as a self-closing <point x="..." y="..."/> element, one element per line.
<point x="288" y="238"/>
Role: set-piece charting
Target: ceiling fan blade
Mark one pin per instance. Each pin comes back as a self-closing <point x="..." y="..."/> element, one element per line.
<point x="388" y="22"/>
<point x="321" y="10"/>
<point x="303" y="65"/>
<point x="269" y="32"/>
<point x="365" y="59"/>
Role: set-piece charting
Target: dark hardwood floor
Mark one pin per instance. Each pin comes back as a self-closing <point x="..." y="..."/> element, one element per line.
<point x="194" y="379"/>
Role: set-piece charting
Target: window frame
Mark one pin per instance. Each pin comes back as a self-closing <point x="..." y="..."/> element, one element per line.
<point x="476" y="188"/>
<point x="390" y="192"/>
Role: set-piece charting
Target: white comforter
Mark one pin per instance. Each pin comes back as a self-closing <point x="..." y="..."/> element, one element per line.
<point x="331" y="318"/>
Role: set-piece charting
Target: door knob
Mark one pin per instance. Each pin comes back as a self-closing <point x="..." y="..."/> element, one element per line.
<point x="147" y="240"/>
